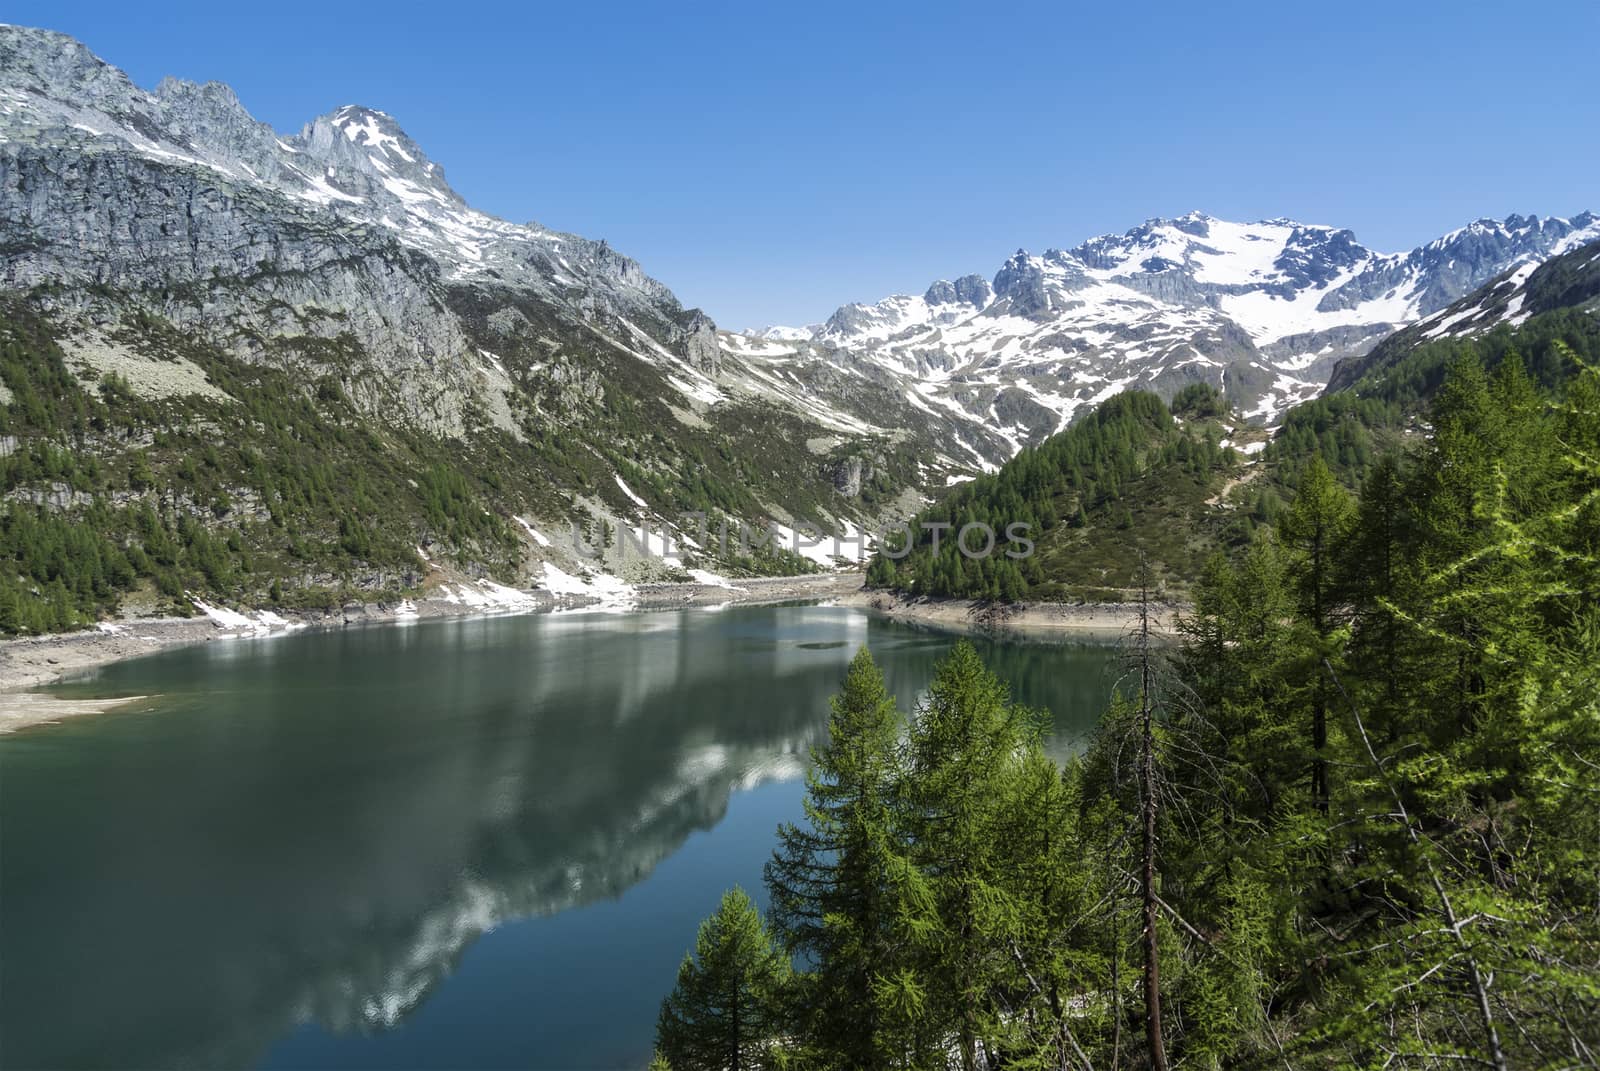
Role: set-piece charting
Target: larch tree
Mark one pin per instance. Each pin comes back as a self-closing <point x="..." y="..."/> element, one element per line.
<point x="1313" y="528"/>
<point x="725" y="1013"/>
<point x="828" y="880"/>
<point x="962" y="742"/>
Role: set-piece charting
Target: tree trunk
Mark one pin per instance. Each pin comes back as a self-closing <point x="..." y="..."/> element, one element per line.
<point x="1116" y="970"/>
<point x="1147" y="807"/>
<point x="738" y="1042"/>
<point x="969" y="1028"/>
<point x="1319" y="706"/>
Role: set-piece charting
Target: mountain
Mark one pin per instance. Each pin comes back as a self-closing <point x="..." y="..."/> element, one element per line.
<point x="1567" y="281"/>
<point x="182" y="203"/>
<point x="1262" y="310"/>
<point x="1133" y="479"/>
<point x="299" y="367"/>
<point x="302" y="357"/>
<point x="1546" y="316"/>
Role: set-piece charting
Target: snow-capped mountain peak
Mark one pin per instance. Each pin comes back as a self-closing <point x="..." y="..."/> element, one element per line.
<point x="373" y="142"/>
<point x="374" y="129"/>
<point x="1263" y="309"/>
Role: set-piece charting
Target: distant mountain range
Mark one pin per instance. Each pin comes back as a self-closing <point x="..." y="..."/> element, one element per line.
<point x="1137" y="485"/>
<point x="1263" y="310"/>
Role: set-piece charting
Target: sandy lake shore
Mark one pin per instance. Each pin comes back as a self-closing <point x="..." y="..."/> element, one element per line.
<point x="34" y="662"/>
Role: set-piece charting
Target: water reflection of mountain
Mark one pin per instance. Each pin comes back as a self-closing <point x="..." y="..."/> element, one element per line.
<point x="315" y="829"/>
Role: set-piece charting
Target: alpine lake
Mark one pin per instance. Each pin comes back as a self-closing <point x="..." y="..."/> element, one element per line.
<point x="467" y="842"/>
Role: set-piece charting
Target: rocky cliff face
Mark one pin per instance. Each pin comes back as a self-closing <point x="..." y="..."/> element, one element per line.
<point x="177" y="202"/>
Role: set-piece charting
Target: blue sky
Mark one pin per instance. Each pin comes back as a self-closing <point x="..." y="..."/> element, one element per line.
<point x="772" y="161"/>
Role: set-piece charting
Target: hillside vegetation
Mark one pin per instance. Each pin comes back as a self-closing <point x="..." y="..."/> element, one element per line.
<point x="1350" y="427"/>
<point x="265" y="483"/>
<point x="275" y="492"/>
<point x="1128" y="479"/>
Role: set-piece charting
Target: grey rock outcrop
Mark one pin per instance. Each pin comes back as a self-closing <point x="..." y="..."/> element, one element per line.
<point x="700" y="345"/>
<point x="971" y="290"/>
<point x="177" y="202"/>
<point x="848" y="474"/>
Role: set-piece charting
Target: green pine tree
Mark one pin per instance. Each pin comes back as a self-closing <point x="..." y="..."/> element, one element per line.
<point x="1314" y="528"/>
<point x="962" y="745"/>
<point x="828" y="879"/>
<point x="724" y="1012"/>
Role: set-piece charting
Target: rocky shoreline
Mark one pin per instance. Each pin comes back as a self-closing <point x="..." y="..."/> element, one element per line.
<point x="1106" y="621"/>
<point x="34" y="662"/>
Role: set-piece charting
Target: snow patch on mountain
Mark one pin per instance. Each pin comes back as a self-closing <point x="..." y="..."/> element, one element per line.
<point x="602" y="591"/>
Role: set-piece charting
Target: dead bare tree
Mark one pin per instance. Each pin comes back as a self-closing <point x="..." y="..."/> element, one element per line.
<point x="1148" y="806"/>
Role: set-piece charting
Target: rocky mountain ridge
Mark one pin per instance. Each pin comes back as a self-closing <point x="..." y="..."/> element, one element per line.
<point x="1262" y="310"/>
<point x="182" y="202"/>
<point x="1568" y="282"/>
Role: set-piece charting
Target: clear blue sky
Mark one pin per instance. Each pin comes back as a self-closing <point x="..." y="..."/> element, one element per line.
<point x="772" y="161"/>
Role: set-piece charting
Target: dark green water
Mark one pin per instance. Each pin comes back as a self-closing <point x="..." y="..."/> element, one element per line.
<point x="464" y="843"/>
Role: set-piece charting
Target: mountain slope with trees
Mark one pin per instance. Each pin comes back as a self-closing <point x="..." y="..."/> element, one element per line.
<point x="1132" y="477"/>
<point x="267" y="485"/>
<point x="1547" y="316"/>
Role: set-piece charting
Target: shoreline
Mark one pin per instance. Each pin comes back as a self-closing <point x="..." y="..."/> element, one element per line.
<point x="1104" y="620"/>
<point x="30" y="663"/>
